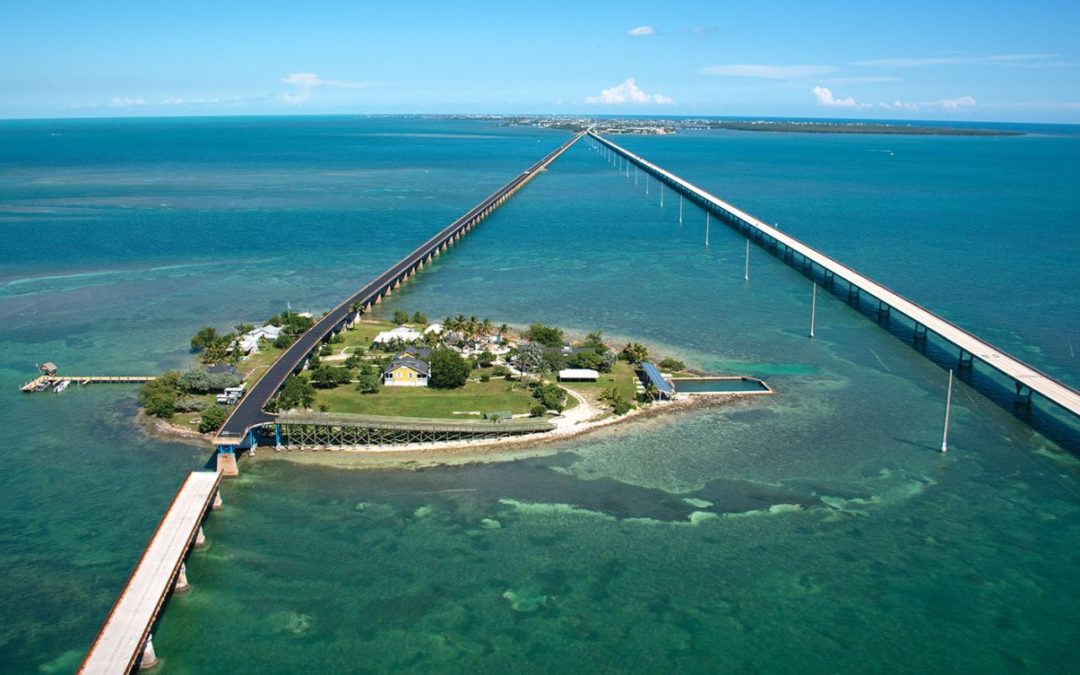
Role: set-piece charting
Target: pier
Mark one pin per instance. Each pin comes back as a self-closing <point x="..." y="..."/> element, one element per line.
<point x="124" y="641"/>
<point x="46" y="382"/>
<point x="238" y="430"/>
<point x="1026" y="378"/>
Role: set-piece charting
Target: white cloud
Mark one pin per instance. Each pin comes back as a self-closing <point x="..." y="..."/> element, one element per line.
<point x="767" y="71"/>
<point x="641" y="31"/>
<point x="125" y="102"/>
<point x="861" y="79"/>
<point x="627" y="92"/>
<point x="306" y="82"/>
<point x="1018" y="60"/>
<point x="825" y="97"/>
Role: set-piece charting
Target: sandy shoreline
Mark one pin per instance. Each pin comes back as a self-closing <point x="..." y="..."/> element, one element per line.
<point x="573" y="426"/>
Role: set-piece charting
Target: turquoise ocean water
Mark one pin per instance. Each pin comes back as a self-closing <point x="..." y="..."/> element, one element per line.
<point x="816" y="531"/>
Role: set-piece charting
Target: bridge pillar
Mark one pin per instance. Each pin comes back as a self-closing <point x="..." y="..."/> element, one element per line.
<point x="218" y="502"/>
<point x="884" y="312"/>
<point x="226" y="461"/>
<point x="1023" y="398"/>
<point x="200" y="538"/>
<point x="388" y="292"/>
<point x="277" y="437"/>
<point x="378" y="299"/>
<point x="853" y="294"/>
<point x="181" y="585"/>
<point x="830" y="279"/>
<point x="920" y="333"/>
<point x="149" y="658"/>
<point x="966" y="361"/>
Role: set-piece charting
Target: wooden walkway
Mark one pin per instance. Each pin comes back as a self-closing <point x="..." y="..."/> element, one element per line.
<point x="120" y="641"/>
<point x="52" y="380"/>
<point x="1021" y="373"/>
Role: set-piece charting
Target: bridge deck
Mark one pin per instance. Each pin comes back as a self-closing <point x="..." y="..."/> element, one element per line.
<point x="250" y="413"/>
<point x="1040" y="383"/>
<point x="120" y="640"/>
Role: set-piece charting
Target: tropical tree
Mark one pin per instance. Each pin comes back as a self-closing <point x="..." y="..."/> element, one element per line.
<point x="448" y="369"/>
<point x="419" y="318"/>
<point x="635" y="352"/>
<point x="357" y="309"/>
<point x="401" y="317"/>
<point x="530" y="359"/>
<point x="297" y="393"/>
<point x="204" y="338"/>
<point x="212" y="418"/>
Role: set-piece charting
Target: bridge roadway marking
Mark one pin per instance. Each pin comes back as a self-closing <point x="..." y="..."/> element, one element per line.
<point x="1064" y="396"/>
<point x="121" y="638"/>
<point x="249" y="412"/>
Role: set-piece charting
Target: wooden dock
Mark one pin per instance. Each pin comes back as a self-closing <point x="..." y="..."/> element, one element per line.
<point x="969" y="345"/>
<point x="126" y="632"/>
<point x="50" y="381"/>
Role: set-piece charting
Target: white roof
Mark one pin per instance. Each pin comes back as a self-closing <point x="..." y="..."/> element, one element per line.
<point x="399" y="333"/>
<point x="579" y="374"/>
<point x="267" y="331"/>
<point x="433" y="328"/>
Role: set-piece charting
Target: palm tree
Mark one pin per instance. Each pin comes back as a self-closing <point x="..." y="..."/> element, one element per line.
<point x="356" y="308"/>
<point x="486" y="327"/>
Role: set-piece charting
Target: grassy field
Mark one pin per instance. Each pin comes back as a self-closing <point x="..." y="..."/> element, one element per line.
<point x="479" y="397"/>
<point x="622" y="377"/>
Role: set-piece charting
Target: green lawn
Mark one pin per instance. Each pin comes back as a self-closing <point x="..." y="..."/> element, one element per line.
<point x="427" y="402"/>
<point x="622" y="378"/>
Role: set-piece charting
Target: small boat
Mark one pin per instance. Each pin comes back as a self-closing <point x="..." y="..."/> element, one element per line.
<point x="64" y="384"/>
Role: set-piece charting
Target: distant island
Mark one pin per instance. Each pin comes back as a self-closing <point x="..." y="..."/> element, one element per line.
<point x="663" y="126"/>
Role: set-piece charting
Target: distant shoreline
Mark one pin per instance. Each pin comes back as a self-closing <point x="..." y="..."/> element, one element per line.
<point x="855" y="128"/>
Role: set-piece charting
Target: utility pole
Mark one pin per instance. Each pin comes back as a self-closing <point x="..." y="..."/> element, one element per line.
<point x="707" y="219"/>
<point x="746" y="269"/>
<point x="680" y="209"/>
<point x="813" y="309"/>
<point x="948" y="406"/>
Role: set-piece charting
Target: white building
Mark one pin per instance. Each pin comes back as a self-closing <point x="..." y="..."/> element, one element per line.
<point x="403" y="333"/>
<point x="578" y="375"/>
<point x="436" y="328"/>
<point x="249" y="342"/>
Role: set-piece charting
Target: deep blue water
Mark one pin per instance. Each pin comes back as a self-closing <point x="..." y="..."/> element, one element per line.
<point x="815" y="531"/>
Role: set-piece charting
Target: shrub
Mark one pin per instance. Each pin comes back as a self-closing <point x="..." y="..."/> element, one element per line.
<point x="485" y="378"/>
<point x="549" y="336"/>
<point x="368" y="381"/>
<point x="587" y="359"/>
<point x="326" y="350"/>
<point x="201" y="382"/>
<point x="550" y="395"/>
<point x="619" y="405"/>
<point x="212" y="418"/>
<point x="537" y="411"/>
<point x="672" y="365"/>
<point x="420" y="318"/>
<point x="485" y="359"/>
<point x="328" y="377"/>
<point x="634" y="352"/>
<point x="188" y="404"/>
<point x="158" y="397"/>
<point x="400" y="316"/>
<point x="500" y="371"/>
<point x="297" y="393"/>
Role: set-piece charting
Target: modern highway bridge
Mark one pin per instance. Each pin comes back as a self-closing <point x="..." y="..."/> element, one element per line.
<point x="249" y="413"/>
<point x="1025" y="378"/>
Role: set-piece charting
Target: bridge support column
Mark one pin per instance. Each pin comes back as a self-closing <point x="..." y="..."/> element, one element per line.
<point x="965" y="362"/>
<point x="149" y="658"/>
<point x="830" y="279"/>
<point x="807" y="266"/>
<point x="218" y="501"/>
<point x="788" y="257"/>
<point x="200" y="538"/>
<point x="920" y="334"/>
<point x="853" y="294"/>
<point x="277" y="438"/>
<point x="884" y="312"/>
<point x="181" y="585"/>
<point x="226" y="461"/>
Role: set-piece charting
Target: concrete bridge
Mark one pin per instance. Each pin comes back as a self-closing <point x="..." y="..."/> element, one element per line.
<point x="238" y="430"/>
<point x="1026" y="379"/>
<point x="124" y="641"/>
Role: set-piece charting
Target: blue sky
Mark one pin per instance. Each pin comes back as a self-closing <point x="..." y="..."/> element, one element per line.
<point x="1009" y="61"/>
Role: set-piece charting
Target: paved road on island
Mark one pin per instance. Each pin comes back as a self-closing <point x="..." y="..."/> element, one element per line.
<point x="249" y="412"/>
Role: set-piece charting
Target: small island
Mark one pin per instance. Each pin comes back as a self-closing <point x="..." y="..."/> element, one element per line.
<point x="406" y="381"/>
